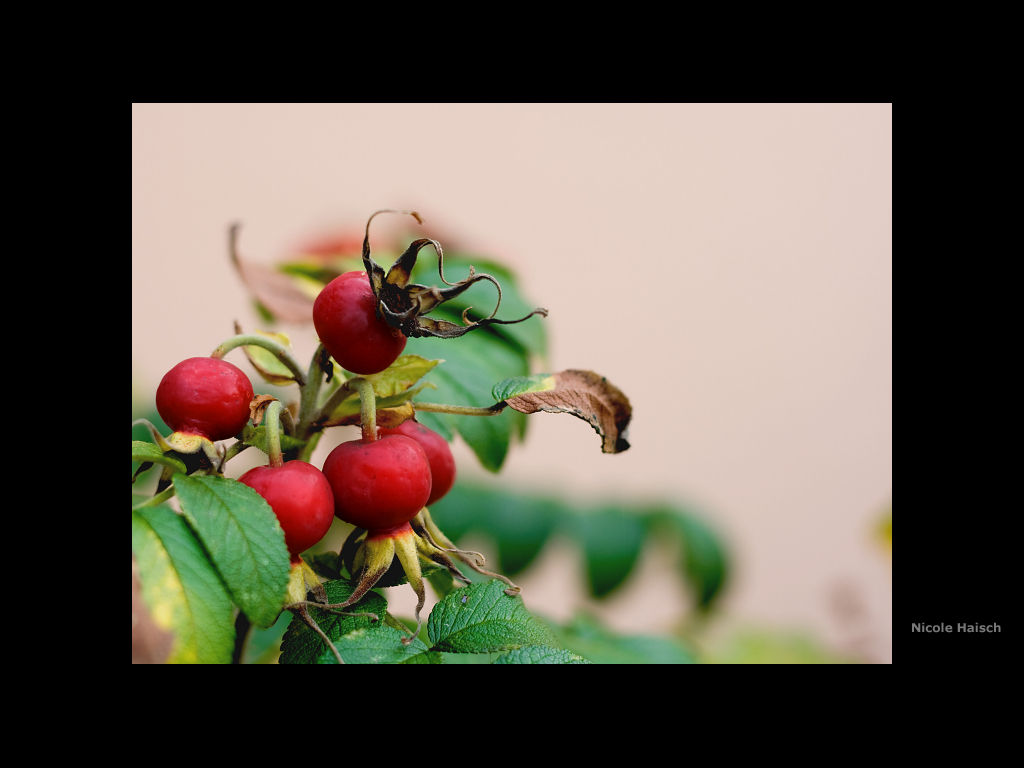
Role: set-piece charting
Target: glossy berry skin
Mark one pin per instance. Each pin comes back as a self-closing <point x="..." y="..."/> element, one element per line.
<point x="205" y="396"/>
<point x="439" y="454"/>
<point x="345" y="320"/>
<point x="301" y="498"/>
<point x="379" y="484"/>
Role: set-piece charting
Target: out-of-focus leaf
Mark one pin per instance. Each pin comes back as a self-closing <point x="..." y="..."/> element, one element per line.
<point x="472" y="364"/>
<point x="584" y="394"/>
<point x="530" y="336"/>
<point x="244" y="539"/>
<point x="705" y="563"/>
<point x="182" y="590"/>
<point x="611" y="539"/>
<point x="585" y="636"/>
<point x="284" y="296"/>
<point x="761" y="646"/>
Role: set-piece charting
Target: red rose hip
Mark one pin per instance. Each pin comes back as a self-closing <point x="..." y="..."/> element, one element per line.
<point x="344" y="315"/>
<point x="378" y="484"/>
<point x="439" y="454"/>
<point x="301" y="498"/>
<point x="205" y="396"/>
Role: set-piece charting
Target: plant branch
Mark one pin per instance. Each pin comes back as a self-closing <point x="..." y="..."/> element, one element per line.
<point x="165" y="495"/>
<point x="459" y="410"/>
<point x="255" y="340"/>
<point x="311" y="394"/>
<point x="273" y="422"/>
<point x="367" y="408"/>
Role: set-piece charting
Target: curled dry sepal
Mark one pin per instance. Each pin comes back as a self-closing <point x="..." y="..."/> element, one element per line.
<point x="402" y="304"/>
<point x="584" y="394"/>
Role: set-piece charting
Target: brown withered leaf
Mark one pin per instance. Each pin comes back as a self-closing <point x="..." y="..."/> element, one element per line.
<point x="258" y="408"/>
<point x="275" y="290"/>
<point x="586" y="395"/>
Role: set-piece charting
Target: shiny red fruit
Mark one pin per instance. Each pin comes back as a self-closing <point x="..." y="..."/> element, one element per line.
<point x="301" y="498"/>
<point x="205" y="396"/>
<point x="439" y="454"/>
<point x="378" y="484"/>
<point x="345" y="320"/>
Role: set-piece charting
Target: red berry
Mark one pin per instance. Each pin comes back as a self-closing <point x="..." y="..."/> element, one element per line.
<point x="301" y="498"/>
<point x="439" y="454"/>
<point x="345" y="320"/>
<point x="378" y="484"/>
<point x="205" y="396"/>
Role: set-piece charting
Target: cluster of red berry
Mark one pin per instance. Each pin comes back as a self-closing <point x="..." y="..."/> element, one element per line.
<point x="379" y="482"/>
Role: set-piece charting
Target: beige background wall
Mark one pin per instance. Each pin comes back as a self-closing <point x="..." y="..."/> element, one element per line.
<point x="728" y="266"/>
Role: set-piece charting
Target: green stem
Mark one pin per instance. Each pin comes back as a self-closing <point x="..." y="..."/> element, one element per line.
<point x="367" y="408"/>
<point x="233" y="451"/>
<point x="311" y="394"/>
<point x="307" y="450"/>
<point x="459" y="410"/>
<point x="165" y="495"/>
<point x="331" y="404"/>
<point x="273" y="422"/>
<point x="255" y="340"/>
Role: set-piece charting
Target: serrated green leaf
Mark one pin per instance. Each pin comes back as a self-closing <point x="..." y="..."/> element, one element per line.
<point x="427" y="657"/>
<point x="401" y="375"/>
<point x="143" y="452"/>
<point x="481" y="618"/>
<point x="182" y="590"/>
<point x="472" y="364"/>
<point x="519" y="385"/>
<point x="541" y="654"/>
<point x="359" y="640"/>
<point x="244" y="539"/>
<point x="611" y="539"/>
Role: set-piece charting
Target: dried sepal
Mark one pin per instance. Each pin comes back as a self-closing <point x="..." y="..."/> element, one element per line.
<point x="258" y="408"/>
<point x="402" y="304"/>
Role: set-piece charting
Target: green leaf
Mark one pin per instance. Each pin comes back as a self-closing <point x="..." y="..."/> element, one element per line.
<point x="586" y="637"/>
<point x="611" y="539"/>
<point x="267" y="364"/>
<point x="326" y="565"/>
<point x="541" y="654"/>
<point x="401" y="375"/>
<point x="359" y="640"/>
<point x="705" y="563"/>
<point x="181" y="588"/>
<point x="472" y="364"/>
<point x="539" y="382"/>
<point x="143" y="453"/>
<point x="244" y="539"/>
<point x="481" y="618"/>
<point x="530" y="336"/>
